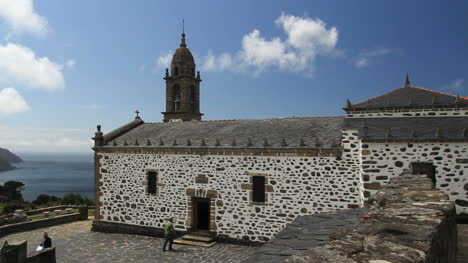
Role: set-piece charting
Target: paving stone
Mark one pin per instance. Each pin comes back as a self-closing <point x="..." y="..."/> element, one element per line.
<point x="76" y="243"/>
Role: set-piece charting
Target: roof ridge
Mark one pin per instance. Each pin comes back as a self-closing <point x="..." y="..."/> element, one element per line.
<point x="274" y="118"/>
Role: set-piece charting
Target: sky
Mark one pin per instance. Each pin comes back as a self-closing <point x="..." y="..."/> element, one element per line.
<point x="66" y="66"/>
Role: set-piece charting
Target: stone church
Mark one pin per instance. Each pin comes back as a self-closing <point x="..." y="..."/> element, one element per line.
<point x="246" y="179"/>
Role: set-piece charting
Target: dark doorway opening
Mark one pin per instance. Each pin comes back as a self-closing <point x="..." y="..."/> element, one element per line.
<point x="425" y="168"/>
<point x="202" y="214"/>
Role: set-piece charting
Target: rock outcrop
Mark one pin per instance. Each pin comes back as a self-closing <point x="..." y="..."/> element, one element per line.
<point x="7" y="159"/>
<point x="408" y="221"/>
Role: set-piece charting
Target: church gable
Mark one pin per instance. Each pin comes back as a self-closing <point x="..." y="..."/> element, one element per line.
<point x="410" y="96"/>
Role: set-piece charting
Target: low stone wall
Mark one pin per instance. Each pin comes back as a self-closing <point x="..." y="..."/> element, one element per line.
<point x="410" y="221"/>
<point x="11" y="219"/>
<point x="18" y="254"/>
<point x="44" y="256"/>
<point x="50" y="209"/>
<point x="46" y="222"/>
<point x="122" y="228"/>
<point x="40" y="223"/>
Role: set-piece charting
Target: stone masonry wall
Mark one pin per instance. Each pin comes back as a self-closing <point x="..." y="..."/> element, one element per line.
<point x="383" y="161"/>
<point x="409" y="222"/>
<point x="295" y="186"/>
<point x="444" y="112"/>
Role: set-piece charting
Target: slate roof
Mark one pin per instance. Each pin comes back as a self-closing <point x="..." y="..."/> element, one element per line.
<point x="326" y="131"/>
<point x="426" y="128"/>
<point x="410" y="96"/>
<point x="303" y="233"/>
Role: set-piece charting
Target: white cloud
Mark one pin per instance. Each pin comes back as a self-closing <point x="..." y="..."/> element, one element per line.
<point x="19" y="65"/>
<point x="21" y="16"/>
<point x="308" y="35"/>
<point x="46" y="139"/>
<point x="306" y="38"/>
<point x="364" y="58"/>
<point x="164" y="61"/>
<point x="70" y="63"/>
<point x="457" y="84"/>
<point x="11" y="101"/>
<point x="213" y="63"/>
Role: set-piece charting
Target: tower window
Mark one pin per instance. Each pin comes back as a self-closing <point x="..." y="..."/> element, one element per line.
<point x="176" y="98"/>
<point x="152" y="180"/>
<point x="258" y="189"/>
<point x="176" y="71"/>
<point x="193" y="72"/>
<point x="193" y="97"/>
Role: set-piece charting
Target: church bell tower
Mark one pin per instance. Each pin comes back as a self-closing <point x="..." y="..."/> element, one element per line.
<point x="182" y="87"/>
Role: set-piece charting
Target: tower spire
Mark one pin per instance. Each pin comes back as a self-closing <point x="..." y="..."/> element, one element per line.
<point x="182" y="43"/>
<point x="407" y="82"/>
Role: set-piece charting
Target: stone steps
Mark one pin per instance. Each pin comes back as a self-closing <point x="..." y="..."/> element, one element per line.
<point x="195" y="240"/>
<point x="191" y="237"/>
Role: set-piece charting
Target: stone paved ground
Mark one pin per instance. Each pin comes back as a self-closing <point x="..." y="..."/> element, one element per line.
<point x="76" y="243"/>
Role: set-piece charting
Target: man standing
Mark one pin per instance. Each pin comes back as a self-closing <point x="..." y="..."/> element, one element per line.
<point x="168" y="234"/>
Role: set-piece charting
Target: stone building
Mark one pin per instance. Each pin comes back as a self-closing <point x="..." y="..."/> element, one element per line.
<point x="247" y="179"/>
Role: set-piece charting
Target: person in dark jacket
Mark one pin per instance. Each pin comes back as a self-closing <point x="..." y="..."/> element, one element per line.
<point x="46" y="241"/>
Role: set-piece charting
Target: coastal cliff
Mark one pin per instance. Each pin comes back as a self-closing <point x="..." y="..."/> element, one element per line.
<point x="7" y="159"/>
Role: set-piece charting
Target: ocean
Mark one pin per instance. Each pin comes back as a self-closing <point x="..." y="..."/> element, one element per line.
<point x="53" y="174"/>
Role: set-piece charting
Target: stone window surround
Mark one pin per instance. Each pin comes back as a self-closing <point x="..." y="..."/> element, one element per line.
<point x="249" y="187"/>
<point x="158" y="185"/>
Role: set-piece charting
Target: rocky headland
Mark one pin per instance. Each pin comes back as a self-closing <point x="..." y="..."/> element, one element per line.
<point x="8" y="159"/>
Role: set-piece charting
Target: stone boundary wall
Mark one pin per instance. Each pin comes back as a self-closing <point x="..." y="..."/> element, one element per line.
<point x="45" y="255"/>
<point x="51" y="208"/>
<point x="19" y="254"/>
<point x="409" y="221"/>
<point x="40" y="223"/>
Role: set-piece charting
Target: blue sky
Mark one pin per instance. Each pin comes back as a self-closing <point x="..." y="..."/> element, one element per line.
<point x="66" y="66"/>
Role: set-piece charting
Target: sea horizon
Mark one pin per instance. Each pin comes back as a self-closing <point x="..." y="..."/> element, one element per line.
<point x="52" y="174"/>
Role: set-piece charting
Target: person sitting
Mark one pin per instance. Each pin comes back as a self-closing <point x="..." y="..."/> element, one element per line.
<point x="46" y="241"/>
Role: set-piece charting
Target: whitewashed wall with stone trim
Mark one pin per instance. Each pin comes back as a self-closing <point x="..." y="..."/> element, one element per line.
<point x="453" y="112"/>
<point x="301" y="185"/>
<point x="382" y="161"/>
